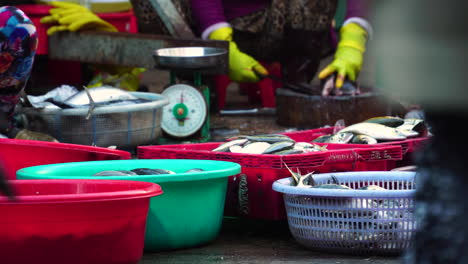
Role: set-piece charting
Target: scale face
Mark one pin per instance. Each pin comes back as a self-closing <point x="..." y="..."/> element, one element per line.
<point x="186" y="112"/>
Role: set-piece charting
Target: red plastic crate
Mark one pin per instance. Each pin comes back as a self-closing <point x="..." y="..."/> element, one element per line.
<point x="250" y="193"/>
<point x="408" y="146"/>
<point x="16" y="154"/>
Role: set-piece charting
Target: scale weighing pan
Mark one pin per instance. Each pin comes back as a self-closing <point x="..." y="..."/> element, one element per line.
<point x="191" y="58"/>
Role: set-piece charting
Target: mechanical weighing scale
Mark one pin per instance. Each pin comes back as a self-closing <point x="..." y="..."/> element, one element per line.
<point x="187" y="116"/>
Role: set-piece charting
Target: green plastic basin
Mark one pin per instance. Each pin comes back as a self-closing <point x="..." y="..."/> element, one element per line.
<point x="190" y="211"/>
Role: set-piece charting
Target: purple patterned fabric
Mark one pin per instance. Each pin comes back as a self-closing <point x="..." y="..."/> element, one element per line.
<point x="18" y="44"/>
<point x="210" y="12"/>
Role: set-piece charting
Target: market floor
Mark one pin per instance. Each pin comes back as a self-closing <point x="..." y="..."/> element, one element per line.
<point x="246" y="241"/>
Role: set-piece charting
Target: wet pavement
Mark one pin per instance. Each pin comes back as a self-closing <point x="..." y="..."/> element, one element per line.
<point x="246" y="241"/>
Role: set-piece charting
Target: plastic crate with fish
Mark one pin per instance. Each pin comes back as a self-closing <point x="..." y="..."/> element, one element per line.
<point x="250" y="194"/>
<point x="362" y="213"/>
<point x="113" y="118"/>
<point x="409" y="142"/>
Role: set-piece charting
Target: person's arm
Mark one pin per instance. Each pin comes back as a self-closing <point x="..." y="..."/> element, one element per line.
<point x="352" y="42"/>
<point x="213" y="25"/>
<point x="209" y="15"/>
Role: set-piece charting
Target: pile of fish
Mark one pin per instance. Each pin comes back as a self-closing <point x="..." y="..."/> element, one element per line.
<point x="140" y="171"/>
<point x="68" y="97"/>
<point x="276" y="144"/>
<point x="377" y="129"/>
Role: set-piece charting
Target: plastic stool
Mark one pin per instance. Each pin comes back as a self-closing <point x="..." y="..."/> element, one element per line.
<point x="262" y="91"/>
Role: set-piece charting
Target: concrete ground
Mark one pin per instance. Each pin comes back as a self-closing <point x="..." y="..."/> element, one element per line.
<point x="244" y="241"/>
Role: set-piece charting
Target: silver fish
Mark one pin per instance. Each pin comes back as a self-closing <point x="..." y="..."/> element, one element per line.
<point x="363" y="139"/>
<point x="194" y="170"/>
<point x="323" y="139"/>
<point x="269" y="138"/>
<point x="102" y="94"/>
<point x="225" y="146"/>
<point x="340" y="138"/>
<point x="288" y="152"/>
<point x="391" y="121"/>
<point x="235" y="149"/>
<point x="279" y="146"/>
<point x="115" y="173"/>
<point x="377" y="131"/>
<point x="255" y="147"/>
<point x="372" y="188"/>
<point x="147" y="171"/>
<point x="417" y="125"/>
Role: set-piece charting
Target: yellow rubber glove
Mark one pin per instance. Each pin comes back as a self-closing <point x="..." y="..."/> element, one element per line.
<point x="242" y="67"/>
<point x="348" y="56"/>
<point x="74" y="17"/>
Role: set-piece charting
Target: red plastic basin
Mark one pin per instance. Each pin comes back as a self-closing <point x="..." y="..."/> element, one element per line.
<point x="75" y="221"/>
<point x="16" y="154"/>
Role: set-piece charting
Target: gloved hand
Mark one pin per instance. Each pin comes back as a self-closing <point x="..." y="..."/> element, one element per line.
<point x="242" y="67"/>
<point x="31" y="135"/>
<point x="348" y="56"/>
<point x="74" y="17"/>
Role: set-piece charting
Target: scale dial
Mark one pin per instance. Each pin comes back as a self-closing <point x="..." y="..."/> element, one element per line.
<point x="186" y="111"/>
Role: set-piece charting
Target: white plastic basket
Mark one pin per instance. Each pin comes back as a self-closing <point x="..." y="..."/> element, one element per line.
<point x="360" y="222"/>
<point x="124" y="126"/>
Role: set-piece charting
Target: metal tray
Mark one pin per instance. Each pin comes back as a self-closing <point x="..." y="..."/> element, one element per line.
<point x="189" y="57"/>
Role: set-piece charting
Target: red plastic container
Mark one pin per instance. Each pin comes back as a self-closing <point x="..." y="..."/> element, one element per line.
<point x="408" y="146"/>
<point x="75" y="221"/>
<point x="250" y="193"/>
<point x="16" y="154"/>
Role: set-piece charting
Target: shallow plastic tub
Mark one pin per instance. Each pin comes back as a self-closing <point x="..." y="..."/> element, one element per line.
<point x="75" y="221"/>
<point x="189" y="213"/>
<point x="18" y="153"/>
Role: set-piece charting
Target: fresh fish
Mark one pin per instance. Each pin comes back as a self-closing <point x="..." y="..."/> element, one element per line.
<point x="114" y="173"/>
<point x="299" y="180"/>
<point x="235" y="149"/>
<point x="269" y="138"/>
<point x="322" y="139"/>
<point x="363" y="139"/>
<point x="303" y="145"/>
<point x="332" y="186"/>
<point x="255" y="148"/>
<point x="194" y="170"/>
<point x="309" y="147"/>
<point x="417" y="125"/>
<point x="372" y="188"/>
<point x="335" y="185"/>
<point x="391" y="121"/>
<point x="225" y="146"/>
<point x="147" y="171"/>
<point x="288" y="152"/>
<point x="408" y="133"/>
<point x="341" y="137"/>
<point x="104" y="94"/>
<point x="302" y="178"/>
<point x="349" y="88"/>
<point x="377" y="131"/>
<point x="279" y="146"/>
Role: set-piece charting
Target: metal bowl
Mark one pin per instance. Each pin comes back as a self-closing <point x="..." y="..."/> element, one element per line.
<point x="190" y="57"/>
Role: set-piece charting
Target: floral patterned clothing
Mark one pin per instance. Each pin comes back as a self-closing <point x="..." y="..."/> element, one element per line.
<point x="18" y="44"/>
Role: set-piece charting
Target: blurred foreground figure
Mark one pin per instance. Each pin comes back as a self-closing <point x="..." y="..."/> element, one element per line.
<point x="18" y="44"/>
<point x="422" y="58"/>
